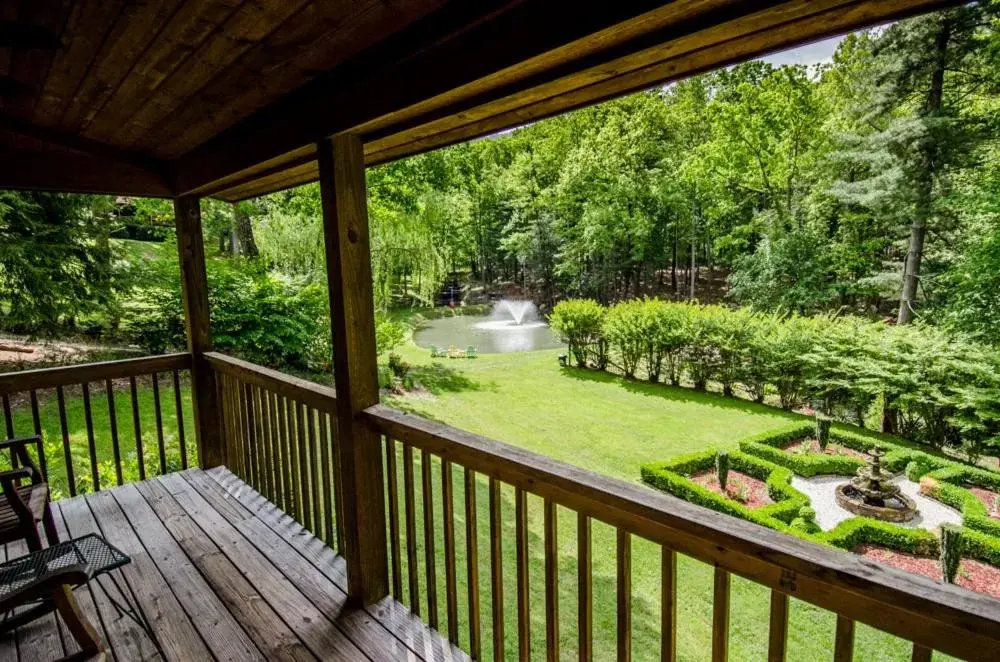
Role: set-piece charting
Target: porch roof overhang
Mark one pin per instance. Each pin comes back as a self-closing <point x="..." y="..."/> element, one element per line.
<point x="227" y="98"/>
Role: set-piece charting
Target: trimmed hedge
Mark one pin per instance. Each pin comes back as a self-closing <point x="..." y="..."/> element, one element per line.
<point x="859" y="530"/>
<point x="981" y="547"/>
<point x="672" y="477"/>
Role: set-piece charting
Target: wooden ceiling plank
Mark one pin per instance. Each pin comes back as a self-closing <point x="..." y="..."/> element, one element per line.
<point x="31" y="66"/>
<point x="187" y="29"/>
<point x="259" y="78"/>
<point x="251" y="24"/>
<point x="134" y="31"/>
<point x="77" y="173"/>
<point x="90" y="23"/>
<point x="8" y="12"/>
<point x="301" y="174"/>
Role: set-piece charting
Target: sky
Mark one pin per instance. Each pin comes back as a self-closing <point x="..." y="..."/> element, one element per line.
<point x="810" y="54"/>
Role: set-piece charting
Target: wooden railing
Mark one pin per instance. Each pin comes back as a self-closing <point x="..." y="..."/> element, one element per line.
<point x="99" y="388"/>
<point x="279" y="435"/>
<point x="932" y="616"/>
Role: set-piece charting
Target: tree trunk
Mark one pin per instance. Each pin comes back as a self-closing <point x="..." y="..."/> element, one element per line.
<point x="244" y="232"/>
<point x="694" y="250"/>
<point x="918" y="230"/>
<point x="673" y="265"/>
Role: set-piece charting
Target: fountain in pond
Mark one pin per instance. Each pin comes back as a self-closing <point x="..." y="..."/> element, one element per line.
<point x="871" y="494"/>
<point x="512" y="315"/>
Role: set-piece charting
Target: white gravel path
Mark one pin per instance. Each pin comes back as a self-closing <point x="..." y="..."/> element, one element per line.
<point x="820" y="490"/>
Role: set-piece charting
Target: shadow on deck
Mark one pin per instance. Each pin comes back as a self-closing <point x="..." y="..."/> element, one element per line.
<point x="221" y="573"/>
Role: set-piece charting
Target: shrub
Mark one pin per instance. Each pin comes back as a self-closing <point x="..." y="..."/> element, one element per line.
<point x="807" y="465"/>
<point x="951" y="551"/>
<point x="579" y="322"/>
<point x="982" y="547"/>
<point x="627" y="328"/>
<point x="722" y="468"/>
<point x="822" y="431"/>
<point x="860" y="530"/>
<point x="806" y="521"/>
<point x="915" y="469"/>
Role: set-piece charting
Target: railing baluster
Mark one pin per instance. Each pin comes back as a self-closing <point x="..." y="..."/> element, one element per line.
<point x="921" y="654"/>
<point x="668" y="605"/>
<point x="496" y="568"/>
<point x="109" y="392"/>
<point x="64" y="428"/>
<point x="472" y="565"/>
<point x="624" y="583"/>
<point x="88" y="417"/>
<point x="266" y="458"/>
<point x="450" y="579"/>
<point x="284" y="432"/>
<point x="409" y="499"/>
<point x="551" y="581"/>
<point x="338" y="487"/>
<point x="778" y="634"/>
<point x="253" y="470"/>
<point x="585" y="589"/>
<point x="137" y="427"/>
<point x="318" y="510"/>
<point x="179" y="409"/>
<point x="8" y="416"/>
<point x="158" y="412"/>
<point x="392" y="487"/>
<point x="430" y="558"/>
<point x="328" y="487"/>
<point x="720" y="616"/>
<point x="523" y="587"/>
<point x="36" y="419"/>
<point x="303" y="445"/>
<point x="843" y="643"/>
<point x="293" y="457"/>
<point x="232" y="425"/>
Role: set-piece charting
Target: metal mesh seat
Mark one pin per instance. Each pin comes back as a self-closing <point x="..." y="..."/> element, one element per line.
<point x="92" y="551"/>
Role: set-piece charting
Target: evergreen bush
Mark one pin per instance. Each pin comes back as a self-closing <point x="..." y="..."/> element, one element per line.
<point x="951" y="551"/>
<point x="722" y="468"/>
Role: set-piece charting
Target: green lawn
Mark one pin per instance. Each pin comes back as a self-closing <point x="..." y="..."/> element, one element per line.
<point x="77" y="431"/>
<point x="611" y="426"/>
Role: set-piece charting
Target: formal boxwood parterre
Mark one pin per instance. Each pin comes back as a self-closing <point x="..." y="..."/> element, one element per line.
<point x="761" y="456"/>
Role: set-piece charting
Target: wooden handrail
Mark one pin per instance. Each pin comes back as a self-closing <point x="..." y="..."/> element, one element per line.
<point x="323" y="398"/>
<point x="937" y="616"/>
<point x="26" y="380"/>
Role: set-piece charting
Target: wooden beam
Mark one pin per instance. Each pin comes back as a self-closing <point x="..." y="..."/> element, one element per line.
<point x="446" y="74"/>
<point x="71" y="172"/>
<point x="194" y="290"/>
<point x="352" y="316"/>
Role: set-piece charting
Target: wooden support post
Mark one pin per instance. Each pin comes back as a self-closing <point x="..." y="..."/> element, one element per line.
<point x="352" y="316"/>
<point x="194" y="289"/>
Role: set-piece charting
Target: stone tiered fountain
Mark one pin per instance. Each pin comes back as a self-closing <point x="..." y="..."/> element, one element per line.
<point x="871" y="494"/>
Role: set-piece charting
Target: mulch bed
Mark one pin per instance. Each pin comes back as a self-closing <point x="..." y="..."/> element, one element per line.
<point x="738" y="486"/>
<point x="989" y="499"/>
<point x="812" y="446"/>
<point x="973" y="575"/>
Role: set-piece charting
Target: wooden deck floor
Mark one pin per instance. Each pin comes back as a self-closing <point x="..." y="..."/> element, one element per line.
<point x="223" y="574"/>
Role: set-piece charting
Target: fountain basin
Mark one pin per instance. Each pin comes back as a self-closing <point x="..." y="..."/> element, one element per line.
<point x="892" y="507"/>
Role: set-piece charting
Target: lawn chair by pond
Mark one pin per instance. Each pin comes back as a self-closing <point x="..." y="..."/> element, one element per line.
<point x="456" y="353"/>
<point x="471" y="352"/>
<point x="437" y="352"/>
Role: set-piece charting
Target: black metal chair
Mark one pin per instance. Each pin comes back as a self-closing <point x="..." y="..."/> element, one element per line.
<point x="24" y="506"/>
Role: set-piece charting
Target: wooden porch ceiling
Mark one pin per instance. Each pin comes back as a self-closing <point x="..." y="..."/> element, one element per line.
<point x="228" y="97"/>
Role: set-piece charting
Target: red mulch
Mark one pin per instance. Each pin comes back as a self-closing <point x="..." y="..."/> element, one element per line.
<point x="756" y="490"/>
<point x="812" y="446"/>
<point x="973" y="575"/>
<point x="989" y="499"/>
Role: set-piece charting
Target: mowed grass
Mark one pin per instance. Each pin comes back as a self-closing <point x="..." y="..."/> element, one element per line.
<point x="610" y="426"/>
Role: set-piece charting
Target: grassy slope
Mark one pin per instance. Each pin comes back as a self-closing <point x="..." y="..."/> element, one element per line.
<point x="611" y="426"/>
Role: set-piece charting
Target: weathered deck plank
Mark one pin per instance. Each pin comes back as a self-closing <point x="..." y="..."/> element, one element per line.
<point x="221" y="573"/>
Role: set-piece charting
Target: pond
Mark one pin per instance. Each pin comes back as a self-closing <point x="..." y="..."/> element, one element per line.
<point x="496" y="334"/>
